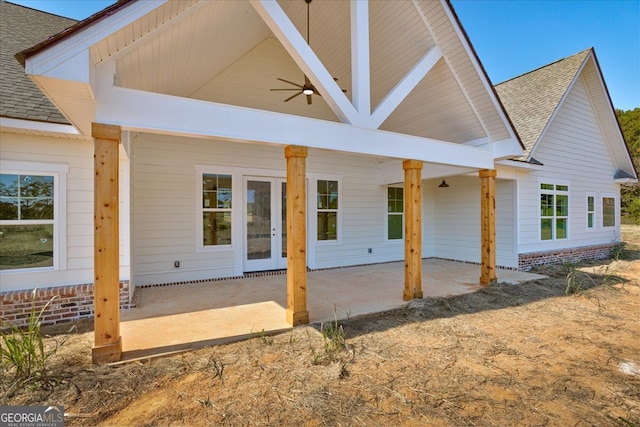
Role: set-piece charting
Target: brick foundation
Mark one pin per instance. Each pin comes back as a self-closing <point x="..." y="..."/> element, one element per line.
<point x="529" y="260"/>
<point x="71" y="303"/>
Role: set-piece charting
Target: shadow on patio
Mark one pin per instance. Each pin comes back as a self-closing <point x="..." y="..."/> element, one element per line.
<point x="180" y="317"/>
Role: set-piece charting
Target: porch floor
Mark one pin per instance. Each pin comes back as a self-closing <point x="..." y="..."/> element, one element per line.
<point x="179" y="317"/>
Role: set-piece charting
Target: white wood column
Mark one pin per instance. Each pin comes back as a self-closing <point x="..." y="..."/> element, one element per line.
<point x="488" y="226"/>
<point x="412" y="229"/>
<point x="297" y="312"/>
<point x="106" y="287"/>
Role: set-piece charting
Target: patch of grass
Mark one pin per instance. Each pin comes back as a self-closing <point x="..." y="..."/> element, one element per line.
<point x="23" y="355"/>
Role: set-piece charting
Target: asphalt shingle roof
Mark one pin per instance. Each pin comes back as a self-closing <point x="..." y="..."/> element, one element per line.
<point x="21" y="28"/>
<point x="531" y="99"/>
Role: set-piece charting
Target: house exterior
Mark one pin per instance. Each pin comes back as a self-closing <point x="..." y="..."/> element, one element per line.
<point x="201" y="140"/>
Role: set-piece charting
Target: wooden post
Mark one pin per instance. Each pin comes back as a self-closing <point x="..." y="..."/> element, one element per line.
<point x="412" y="229"/>
<point x="106" y="288"/>
<point x="297" y="313"/>
<point x="488" y="226"/>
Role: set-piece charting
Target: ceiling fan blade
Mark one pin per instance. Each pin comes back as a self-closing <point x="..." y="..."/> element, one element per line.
<point x="291" y="83"/>
<point x="307" y="82"/>
<point x="291" y="97"/>
<point x="283" y="89"/>
<point x="309" y="100"/>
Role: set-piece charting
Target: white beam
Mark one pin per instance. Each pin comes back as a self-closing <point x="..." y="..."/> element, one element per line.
<point x="506" y="148"/>
<point x="360" y="67"/>
<point x="404" y="87"/>
<point x="282" y="27"/>
<point x="136" y="110"/>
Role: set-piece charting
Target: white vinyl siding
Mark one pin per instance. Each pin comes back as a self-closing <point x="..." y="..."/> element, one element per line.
<point x="574" y="151"/>
<point x="167" y="201"/>
<point x="456" y="220"/>
<point x="73" y="159"/>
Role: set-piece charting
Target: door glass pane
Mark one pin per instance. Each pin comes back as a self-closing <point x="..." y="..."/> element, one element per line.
<point x="283" y="225"/>
<point x="258" y="220"/>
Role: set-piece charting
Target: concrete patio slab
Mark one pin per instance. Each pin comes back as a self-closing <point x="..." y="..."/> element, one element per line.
<point x="180" y="317"/>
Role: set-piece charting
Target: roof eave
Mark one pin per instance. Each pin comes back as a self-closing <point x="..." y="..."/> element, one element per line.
<point x="484" y="72"/>
<point x="25" y="54"/>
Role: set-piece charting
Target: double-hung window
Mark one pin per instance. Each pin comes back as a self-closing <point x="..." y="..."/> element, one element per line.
<point x="395" y="213"/>
<point x="554" y="211"/>
<point x="328" y="205"/>
<point x="30" y="212"/>
<point x="216" y="209"/>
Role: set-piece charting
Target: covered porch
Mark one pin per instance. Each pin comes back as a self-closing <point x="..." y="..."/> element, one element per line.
<point x="175" y="318"/>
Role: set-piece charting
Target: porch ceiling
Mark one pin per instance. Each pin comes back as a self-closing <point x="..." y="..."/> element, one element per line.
<point x="224" y="52"/>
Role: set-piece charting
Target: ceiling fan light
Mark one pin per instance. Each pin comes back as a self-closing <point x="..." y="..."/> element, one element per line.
<point x="307" y="91"/>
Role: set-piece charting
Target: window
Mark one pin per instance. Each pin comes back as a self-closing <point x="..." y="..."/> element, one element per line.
<point x="395" y="213"/>
<point x="591" y="209"/>
<point x="216" y="209"/>
<point x="27" y="210"/>
<point x="554" y="211"/>
<point x="608" y="212"/>
<point x="328" y="205"/>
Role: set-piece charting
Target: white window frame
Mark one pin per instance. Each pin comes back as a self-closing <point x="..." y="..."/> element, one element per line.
<point x="236" y="197"/>
<point x="592" y="212"/>
<point x="313" y="209"/>
<point x="387" y="213"/>
<point x="59" y="173"/>
<point x="554" y="192"/>
<point x="616" y="211"/>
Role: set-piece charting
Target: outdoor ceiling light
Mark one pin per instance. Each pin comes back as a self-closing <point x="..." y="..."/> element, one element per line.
<point x="443" y="184"/>
<point x="308" y="91"/>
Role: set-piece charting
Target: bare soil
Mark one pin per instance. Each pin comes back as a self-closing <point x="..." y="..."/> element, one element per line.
<point x="563" y="351"/>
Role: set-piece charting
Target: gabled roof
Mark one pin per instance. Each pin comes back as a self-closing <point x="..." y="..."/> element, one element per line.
<point x="21" y="28"/>
<point x="532" y="98"/>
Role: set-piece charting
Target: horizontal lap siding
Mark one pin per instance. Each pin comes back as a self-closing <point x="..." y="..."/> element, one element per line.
<point x="456" y="220"/>
<point x="78" y="156"/>
<point x="363" y="207"/>
<point x="165" y="206"/>
<point x="572" y="150"/>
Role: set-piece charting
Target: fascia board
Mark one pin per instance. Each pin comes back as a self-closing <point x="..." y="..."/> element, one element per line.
<point x="46" y="60"/>
<point x="8" y="122"/>
<point x="137" y="110"/>
<point x="524" y="166"/>
<point x="479" y="70"/>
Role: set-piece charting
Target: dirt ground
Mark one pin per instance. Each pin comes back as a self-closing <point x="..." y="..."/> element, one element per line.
<point x="529" y="355"/>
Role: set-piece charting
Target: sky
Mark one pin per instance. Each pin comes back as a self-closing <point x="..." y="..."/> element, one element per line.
<point x="512" y="37"/>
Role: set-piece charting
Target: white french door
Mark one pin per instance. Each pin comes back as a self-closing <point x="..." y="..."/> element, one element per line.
<point x="265" y="229"/>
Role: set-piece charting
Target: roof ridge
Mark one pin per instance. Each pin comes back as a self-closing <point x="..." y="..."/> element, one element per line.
<point x="544" y="66"/>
